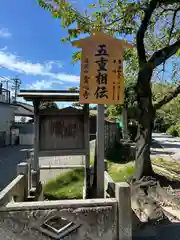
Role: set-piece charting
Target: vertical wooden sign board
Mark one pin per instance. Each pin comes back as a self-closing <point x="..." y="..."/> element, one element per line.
<point x="101" y="82"/>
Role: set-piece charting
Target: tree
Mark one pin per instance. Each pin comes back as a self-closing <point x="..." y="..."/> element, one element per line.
<point x="48" y="105"/>
<point x="23" y="119"/>
<point x="138" y="21"/>
<point x="75" y="104"/>
<point x="114" y="111"/>
<point x="168" y="114"/>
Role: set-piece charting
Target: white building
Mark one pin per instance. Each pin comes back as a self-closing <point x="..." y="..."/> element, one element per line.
<point x="7" y="115"/>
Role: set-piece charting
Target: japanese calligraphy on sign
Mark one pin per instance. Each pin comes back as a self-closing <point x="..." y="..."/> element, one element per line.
<point x="64" y="130"/>
<point x="101" y="79"/>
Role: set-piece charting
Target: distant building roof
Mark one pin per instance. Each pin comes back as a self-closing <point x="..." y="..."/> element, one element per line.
<point x="24" y="109"/>
<point x="20" y="109"/>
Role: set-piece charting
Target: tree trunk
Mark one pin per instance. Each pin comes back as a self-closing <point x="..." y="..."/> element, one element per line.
<point x="145" y="124"/>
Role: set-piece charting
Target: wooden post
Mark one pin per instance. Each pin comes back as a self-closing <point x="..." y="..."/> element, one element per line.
<point x="35" y="170"/>
<point x="100" y="152"/>
<point x="123" y="197"/>
<point x="87" y="157"/>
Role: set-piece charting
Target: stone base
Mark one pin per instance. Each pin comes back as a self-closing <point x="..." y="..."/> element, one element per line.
<point x="84" y="192"/>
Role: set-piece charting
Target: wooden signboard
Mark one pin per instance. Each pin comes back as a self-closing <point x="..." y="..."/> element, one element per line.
<point x="101" y="80"/>
<point x="62" y="132"/>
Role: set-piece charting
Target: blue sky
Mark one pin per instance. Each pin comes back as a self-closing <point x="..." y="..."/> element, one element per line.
<point x="30" y="47"/>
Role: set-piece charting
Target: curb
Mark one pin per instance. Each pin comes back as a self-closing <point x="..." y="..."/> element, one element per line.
<point x="172" y="174"/>
<point x="163" y="148"/>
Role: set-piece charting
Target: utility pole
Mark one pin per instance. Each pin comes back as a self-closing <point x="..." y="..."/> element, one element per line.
<point x="17" y="83"/>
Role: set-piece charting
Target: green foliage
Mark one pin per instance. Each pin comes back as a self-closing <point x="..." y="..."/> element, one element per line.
<point x="121" y="172"/>
<point x="115" y="111"/>
<point x="48" y="105"/>
<point x="174" y="130"/>
<point x="66" y="186"/>
<point x="165" y="117"/>
<point x="75" y="104"/>
<point x="169" y="114"/>
<point x="73" y="89"/>
<point x="69" y="185"/>
<point x="122" y="19"/>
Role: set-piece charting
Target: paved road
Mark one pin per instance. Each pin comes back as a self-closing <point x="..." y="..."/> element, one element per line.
<point x="169" y="146"/>
<point x="9" y="158"/>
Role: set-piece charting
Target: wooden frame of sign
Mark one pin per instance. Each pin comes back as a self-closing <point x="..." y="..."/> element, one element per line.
<point x="79" y="116"/>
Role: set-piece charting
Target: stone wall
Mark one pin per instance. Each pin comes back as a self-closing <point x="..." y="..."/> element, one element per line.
<point x="86" y="220"/>
<point x="89" y="219"/>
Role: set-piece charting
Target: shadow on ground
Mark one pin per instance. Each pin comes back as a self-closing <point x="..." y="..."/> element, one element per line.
<point x="169" y="231"/>
<point x="171" y="145"/>
<point x="156" y="152"/>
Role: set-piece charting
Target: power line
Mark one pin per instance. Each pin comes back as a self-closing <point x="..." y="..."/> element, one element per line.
<point x="17" y="83"/>
<point x="6" y="80"/>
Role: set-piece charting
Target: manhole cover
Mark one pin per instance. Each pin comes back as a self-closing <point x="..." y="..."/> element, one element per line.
<point x="58" y="227"/>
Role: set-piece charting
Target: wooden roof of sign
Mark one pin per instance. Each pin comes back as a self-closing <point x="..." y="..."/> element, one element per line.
<point x="63" y="111"/>
<point x="48" y="95"/>
<point x="98" y="36"/>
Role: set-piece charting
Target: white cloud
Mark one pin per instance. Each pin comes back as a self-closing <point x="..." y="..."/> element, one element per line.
<point x="67" y="78"/>
<point x="5" y="33"/>
<point x="42" y="84"/>
<point x="49" y="65"/>
<point x="14" y="63"/>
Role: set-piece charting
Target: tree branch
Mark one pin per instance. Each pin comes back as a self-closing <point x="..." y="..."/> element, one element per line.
<point x="142" y="29"/>
<point x="167" y="98"/>
<point x="163" y="54"/>
<point x="173" y="23"/>
<point x="114" y="21"/>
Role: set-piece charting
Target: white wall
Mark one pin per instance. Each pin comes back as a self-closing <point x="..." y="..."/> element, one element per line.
<point x="6" y="118"/>
<point x="26" y="139"/>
